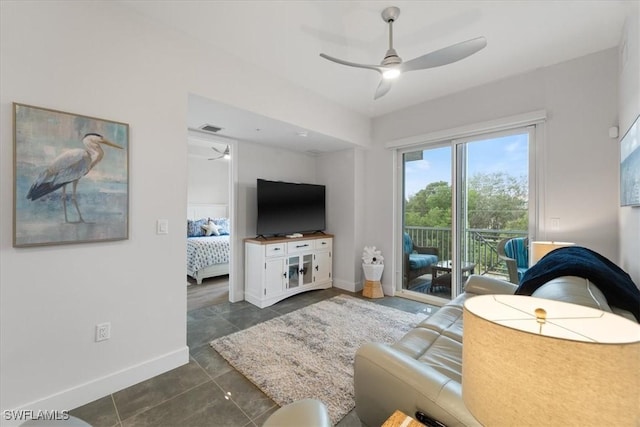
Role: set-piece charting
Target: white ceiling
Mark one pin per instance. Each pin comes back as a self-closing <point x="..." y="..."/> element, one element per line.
<point x="286" y="38"/>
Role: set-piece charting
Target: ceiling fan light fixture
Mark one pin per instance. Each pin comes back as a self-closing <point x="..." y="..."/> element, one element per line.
<point x="392" y="65"/>
<point x="391" y="73"/>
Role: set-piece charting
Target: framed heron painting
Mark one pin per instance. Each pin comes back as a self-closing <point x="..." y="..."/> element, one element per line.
<point x="630" y="166"/>
<point x="71" y="178"/>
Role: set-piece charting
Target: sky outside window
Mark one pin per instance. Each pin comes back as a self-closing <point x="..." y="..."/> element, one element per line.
<point x="507" y="154"/>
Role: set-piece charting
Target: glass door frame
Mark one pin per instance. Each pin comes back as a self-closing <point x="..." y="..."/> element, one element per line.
<point x="533" y="122"/>
<point x="459" y="171"/>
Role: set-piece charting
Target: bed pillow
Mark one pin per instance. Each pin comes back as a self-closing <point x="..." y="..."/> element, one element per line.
<point x="210" y="229"/>
<point x="194" y="228"/>
<point x="223" y="225"/>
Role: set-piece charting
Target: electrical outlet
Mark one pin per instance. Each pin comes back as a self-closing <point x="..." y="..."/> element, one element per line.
<point x="103" y="331"/>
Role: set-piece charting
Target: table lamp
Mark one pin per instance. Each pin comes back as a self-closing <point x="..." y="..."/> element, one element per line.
<point x="540" y="249"/>
<point x="539" y="362"/>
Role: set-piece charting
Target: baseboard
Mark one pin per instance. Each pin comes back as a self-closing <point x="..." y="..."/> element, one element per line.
<point x="347" y="286"/>
<point x="388" y="289"/>
<point x="101" y="387"/>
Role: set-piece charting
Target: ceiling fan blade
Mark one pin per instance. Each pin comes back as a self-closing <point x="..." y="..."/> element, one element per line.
<point x="222" y="153"/>
<point x="445" y="55"/>
<point x="352" y="64"/>
<point x="383" y="88"/>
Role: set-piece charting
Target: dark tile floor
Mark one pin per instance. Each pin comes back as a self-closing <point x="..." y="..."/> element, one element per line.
<point x="208" y="391"/>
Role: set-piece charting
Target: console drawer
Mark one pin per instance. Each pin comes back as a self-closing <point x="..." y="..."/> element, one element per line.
<point x="274" y="249"/>
<point x="299" y="246"/>
<point x="323" y="243"/>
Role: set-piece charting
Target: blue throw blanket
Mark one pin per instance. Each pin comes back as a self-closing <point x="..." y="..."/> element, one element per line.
<point x="615" y="284"/>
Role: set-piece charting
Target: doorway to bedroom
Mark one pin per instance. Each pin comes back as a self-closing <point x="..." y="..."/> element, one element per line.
<point x="208" y="224"/>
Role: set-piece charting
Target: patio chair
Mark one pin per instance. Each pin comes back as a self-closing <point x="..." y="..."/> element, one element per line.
<point x="417" y="259"/>
<point x="514" y="251"/>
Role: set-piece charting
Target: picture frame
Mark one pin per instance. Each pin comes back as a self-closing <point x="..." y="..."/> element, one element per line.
<point x="630" y="166"/>
<point x="71" y="178"/>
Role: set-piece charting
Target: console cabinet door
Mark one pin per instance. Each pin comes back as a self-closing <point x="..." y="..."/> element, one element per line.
<point x="299" y="270"/>
<point x="275" y="277"/>
<point x="322" y="267"/>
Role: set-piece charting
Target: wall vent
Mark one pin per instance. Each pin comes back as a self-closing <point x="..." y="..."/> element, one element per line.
<point x="210" y="128"/>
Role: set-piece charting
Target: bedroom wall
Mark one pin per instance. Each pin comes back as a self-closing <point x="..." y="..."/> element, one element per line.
<point x="119" y="66"/>
<point x="580" y="162"/>
<point x="629" y="105"/>
<point x="207" y="181"/>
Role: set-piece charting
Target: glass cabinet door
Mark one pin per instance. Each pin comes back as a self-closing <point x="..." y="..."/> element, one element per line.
<point x="300" y="271"/>
<point x="306" y="272"/>
<point x="293" y="278"/>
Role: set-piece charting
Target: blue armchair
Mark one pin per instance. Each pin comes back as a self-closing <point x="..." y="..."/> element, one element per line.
<point x="417" y="259"/>
<point x="515" y="253"/>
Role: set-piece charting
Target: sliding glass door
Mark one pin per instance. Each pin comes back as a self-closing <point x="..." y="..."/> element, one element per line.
<point x="460" y="199"/>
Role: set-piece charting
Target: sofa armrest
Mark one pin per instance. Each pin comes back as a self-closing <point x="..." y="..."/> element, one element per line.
<point x="482" y="285"/>
<point x="386" y="379"/>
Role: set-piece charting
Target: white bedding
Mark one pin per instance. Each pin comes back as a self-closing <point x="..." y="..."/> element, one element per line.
<point x="205" y="251"/>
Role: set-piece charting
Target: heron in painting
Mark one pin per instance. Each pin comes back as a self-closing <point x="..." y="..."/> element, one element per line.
<point x="69" y="167"/>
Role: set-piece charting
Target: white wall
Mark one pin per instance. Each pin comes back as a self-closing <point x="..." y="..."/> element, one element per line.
<point x="121" y="67"/>
<point x="207" y="181"/>
<point x="339" y="171"/>
<point x="629" y="105"/>
<point x="256" y="161"/>
<point x="580" y="163"/>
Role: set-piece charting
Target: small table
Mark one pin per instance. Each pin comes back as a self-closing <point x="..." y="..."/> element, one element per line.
<point x="400" y="419"/>
<point x="441" y="273"/>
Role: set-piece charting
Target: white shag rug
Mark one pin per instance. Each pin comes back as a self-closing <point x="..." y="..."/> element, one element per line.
<point x="309" y="353"/>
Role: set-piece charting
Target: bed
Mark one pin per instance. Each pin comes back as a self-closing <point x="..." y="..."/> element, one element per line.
<point x="207" y="256"/>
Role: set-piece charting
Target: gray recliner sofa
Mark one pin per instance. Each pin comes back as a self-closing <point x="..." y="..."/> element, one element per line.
<point x="423" y="370"/>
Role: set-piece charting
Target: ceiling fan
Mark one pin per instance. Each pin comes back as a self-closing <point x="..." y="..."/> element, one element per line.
<point x="392" y="66"/>
<point x="222" y="154"/>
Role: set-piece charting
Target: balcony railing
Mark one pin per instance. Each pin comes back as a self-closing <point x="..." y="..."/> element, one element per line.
<point x="479" y="246"/>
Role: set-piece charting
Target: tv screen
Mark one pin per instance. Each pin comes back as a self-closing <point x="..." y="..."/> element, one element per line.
<point x="286" y="208"/>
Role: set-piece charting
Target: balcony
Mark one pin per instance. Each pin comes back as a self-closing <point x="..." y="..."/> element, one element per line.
<point x="479" y="246"/>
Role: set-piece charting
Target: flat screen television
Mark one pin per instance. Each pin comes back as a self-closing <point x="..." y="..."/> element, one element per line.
<point x="287" y="208"/>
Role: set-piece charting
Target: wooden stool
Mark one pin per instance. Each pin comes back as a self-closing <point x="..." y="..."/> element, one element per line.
<point x="372" y="289"/>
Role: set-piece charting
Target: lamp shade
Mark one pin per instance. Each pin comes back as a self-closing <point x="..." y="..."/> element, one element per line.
<point x="568" y="366"/>
<point x="540" y="249"/>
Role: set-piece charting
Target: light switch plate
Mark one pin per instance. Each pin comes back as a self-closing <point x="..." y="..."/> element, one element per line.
<point x="162" y="226"/>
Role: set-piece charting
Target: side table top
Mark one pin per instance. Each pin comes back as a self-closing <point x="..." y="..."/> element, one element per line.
<point x="400" y="419"/>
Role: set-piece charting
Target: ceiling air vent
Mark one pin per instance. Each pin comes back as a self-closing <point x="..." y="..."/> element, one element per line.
<point x="210" y="128"/>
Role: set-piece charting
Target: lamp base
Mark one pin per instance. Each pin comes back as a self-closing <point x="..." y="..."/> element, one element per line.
<point x="372" y="289"/>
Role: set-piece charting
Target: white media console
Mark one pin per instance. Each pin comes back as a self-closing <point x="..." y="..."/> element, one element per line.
<point x="278" y="267"/>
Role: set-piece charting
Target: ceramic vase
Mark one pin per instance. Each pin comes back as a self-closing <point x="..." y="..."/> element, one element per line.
<point x="373" y="272"/>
